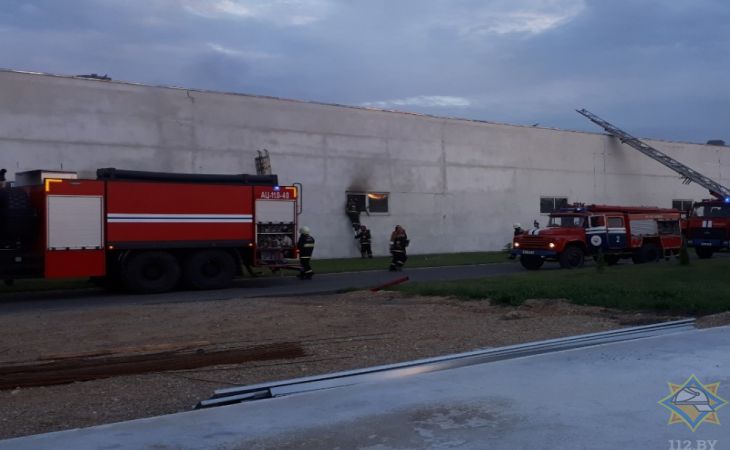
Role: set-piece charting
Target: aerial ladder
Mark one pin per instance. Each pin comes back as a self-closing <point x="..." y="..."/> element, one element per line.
<point x="688" y="174"/>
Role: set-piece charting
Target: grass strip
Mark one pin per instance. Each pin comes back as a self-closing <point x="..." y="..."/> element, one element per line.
<point x="700" y="288"/>
<point x="320" y="266"/>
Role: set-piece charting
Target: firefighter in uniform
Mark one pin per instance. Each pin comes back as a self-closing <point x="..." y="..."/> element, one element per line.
<point x="398" y="243"/>
<point x="365" y="242"/>
<point x="517" y="229"/>
<point x="353" y="213"/>
<point x="305" y="245"/>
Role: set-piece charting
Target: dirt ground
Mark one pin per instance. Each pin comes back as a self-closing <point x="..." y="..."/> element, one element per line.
<point x="337" y="332"/>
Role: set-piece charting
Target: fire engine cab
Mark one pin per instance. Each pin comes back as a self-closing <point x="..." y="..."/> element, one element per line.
<point x="146" y="231"/>
<point x="643" y="234"/>
<point x="708" y="227"/>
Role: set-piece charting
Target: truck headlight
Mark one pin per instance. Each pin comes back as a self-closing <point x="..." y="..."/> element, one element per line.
<point x="517" y="244"/>
<point x="551" y="245"/>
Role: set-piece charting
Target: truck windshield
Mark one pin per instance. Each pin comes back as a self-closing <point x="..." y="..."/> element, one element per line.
<point x="566" y="221"/>
<point x="712" y="210"/>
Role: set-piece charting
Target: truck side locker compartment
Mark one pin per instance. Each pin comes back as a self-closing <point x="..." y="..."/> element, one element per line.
<point x="74" y="228"/>
<point x="276" y="211"/>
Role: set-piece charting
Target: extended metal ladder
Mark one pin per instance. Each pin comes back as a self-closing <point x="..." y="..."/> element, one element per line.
<point x="688" y="174"/>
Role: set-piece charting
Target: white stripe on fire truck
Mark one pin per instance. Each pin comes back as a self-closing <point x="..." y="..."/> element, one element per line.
<point x="179" y="218"/>
<point x="598" y="230"/>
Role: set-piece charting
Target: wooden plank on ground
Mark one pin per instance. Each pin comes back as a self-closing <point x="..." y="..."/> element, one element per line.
<point x="82" y="369"/>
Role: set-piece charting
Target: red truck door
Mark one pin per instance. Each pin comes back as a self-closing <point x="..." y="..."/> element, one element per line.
<point x="616" y="228"/>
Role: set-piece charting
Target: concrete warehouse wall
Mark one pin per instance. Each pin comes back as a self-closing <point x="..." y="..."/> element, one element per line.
<point x="455" y="185"/>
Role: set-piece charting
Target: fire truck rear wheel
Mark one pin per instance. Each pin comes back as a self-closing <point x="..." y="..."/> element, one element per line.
<point x="648" y="253"/>
<point x="151" y="272"/>
<point x="572" y="258"/>
<point x="531" y="262"/>
<point x="704" y="252"/>
<point x="209" y="269"/>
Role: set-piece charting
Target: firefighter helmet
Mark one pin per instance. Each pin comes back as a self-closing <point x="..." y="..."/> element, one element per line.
<point x="304" y="230"/>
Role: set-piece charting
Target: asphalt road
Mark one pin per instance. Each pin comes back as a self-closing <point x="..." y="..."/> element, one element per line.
<point x="253" y="287"/>
<point x="275" y="286"/>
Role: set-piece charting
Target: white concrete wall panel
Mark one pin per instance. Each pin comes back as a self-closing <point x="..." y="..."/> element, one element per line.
<point x="456" y="185"/>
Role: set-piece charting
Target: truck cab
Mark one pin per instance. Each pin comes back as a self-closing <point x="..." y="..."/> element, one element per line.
<point x="563" y="240"/>
<point x="708" y="227"/>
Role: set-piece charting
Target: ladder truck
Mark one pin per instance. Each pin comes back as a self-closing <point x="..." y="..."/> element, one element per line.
<point x="708" y="225"/>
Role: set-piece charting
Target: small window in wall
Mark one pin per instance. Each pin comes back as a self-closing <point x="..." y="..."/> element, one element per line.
<point x="358" y="199"/>
<point x="372" y="202"/>
<point x="682" y="205"/>
<point x="550" y="204"/>
<point x="378" y="202"/>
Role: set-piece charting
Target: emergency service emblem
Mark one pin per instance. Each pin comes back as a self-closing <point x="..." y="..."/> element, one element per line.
<point x="693" y="403"/>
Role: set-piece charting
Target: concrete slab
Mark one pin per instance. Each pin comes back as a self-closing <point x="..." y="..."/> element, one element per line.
<point x="602" y="397"/>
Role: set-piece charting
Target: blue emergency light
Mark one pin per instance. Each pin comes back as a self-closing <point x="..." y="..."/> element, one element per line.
<point x="277" y="188"/>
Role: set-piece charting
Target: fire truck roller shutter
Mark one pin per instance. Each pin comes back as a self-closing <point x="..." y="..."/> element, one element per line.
<point x="275" y="211"/>
<point x="642" y="227"/>
<point x="649" y="251"/>
<point x="75" y="222"/>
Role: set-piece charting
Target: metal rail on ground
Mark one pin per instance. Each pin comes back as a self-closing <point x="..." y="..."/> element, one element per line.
<point x="233" y="395"/>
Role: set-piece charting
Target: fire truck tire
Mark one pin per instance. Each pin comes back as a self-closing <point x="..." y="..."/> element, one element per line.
<point x="531" y="262"/>
<point x="151" y="272"/>
<point x="572" y="258"/>
<point x="648" y="253"/>
<point x="704" y="252"/>
<point x="209" y="269"/>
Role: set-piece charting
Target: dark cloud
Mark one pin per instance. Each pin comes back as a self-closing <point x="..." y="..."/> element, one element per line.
<point x="658" y="68"/>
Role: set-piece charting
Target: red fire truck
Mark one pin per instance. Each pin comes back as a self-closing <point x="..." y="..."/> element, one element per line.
<point x="146" y="231"/>
<point x="643" y="234"/>
<point x="708" y="226"/>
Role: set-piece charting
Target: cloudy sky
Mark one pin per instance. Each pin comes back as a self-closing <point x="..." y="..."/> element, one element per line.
<point x="657" y="68"/>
